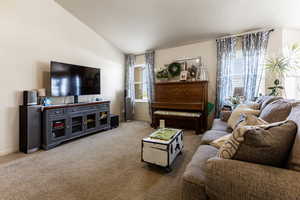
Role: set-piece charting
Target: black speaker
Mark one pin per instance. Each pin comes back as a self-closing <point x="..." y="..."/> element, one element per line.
<point x="114" y="121"/>
<point x="30" y="128"/>
<point x="30" y="98"/>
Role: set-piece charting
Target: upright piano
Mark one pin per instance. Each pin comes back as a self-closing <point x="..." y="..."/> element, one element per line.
<point x="181" y="105"/>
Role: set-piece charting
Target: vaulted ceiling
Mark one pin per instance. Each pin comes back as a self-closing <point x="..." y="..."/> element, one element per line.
<point x="137" y="25"/>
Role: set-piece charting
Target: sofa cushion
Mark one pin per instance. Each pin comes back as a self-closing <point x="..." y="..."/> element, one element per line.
<point x="276" y="111"/>
<point x="267" y="100"/>
<point x="220" y="125"/>
<point x="270" y="146"/>
<point x="212" y="135"/>
<point x="294" y="159"/>
<point x="194" y="175"/>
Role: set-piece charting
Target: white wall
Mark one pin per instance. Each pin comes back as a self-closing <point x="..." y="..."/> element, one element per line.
<point x="34" y="32"/>
<point x="290" y="37"/>
<point x="141" y="111"/>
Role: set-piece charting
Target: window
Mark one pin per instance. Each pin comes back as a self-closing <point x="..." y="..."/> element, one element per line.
<point x="140" y="86"/>
<point x="238" y="75"/>
<point x="292" y="85"/>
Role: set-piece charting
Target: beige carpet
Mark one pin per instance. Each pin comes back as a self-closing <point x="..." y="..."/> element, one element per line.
<point x="104" y="166"/>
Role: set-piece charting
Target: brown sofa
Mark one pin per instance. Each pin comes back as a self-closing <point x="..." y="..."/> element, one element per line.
<point x="209" y="177"/>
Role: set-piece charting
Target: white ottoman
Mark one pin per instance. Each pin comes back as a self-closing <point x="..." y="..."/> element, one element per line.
<point x="161" y="152"/>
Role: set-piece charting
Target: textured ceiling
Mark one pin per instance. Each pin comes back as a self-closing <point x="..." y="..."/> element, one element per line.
<point x="137" y="25"/>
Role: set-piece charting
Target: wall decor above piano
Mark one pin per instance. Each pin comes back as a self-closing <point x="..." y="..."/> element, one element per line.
<point x="193" y="70"/>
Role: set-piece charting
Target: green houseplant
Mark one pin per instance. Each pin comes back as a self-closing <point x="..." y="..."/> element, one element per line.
<point x="279" y="66"/>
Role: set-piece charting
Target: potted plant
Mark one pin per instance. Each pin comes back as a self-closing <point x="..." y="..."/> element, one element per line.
<point x="279" y="66"/>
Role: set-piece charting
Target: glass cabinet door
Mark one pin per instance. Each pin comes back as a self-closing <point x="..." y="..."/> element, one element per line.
<point x="58" y="128"/>
<point x="76" y="124"/>
<point x="103" y="118"/>
<point x="90" y="121"/>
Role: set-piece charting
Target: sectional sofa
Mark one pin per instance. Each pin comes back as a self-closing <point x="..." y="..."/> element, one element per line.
<point x="209" y="177"/>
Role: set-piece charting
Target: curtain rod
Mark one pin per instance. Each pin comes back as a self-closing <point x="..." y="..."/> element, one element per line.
<point x="245" y="33"/>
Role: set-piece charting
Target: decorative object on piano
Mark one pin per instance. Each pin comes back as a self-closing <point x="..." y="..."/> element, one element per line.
<point x="184" y="75"/>
<point x="193" y="72"/>
<point x="174" y="69"/>
<point x="162" y="123"/>
<point x="163" y="74"/>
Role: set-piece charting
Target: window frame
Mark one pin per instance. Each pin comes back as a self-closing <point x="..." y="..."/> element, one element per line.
<point x="143" y="66"/>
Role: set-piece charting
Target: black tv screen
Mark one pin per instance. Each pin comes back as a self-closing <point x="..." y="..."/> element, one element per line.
<point x="74" y="80"/>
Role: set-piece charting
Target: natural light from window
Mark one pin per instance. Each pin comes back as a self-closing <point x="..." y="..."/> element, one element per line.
<point x="140" y="86"/>
<point x="238" y="78"/>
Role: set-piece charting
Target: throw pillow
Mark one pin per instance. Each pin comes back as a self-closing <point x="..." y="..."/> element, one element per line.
<point x="294" y="159"/>
<point x="220" y="141"/>
<point x="267" y="100"/>
<point x="246" y="119"/>
<point x="264" y="144"/>
<point x="269" y="146"/>
<point x="234" y="118"/>
<point x="276" y="111"/>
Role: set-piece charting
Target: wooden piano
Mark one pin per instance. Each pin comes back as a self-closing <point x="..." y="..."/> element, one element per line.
<point x="181" y="104"/>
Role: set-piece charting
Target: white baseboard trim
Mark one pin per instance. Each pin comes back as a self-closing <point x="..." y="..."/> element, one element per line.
<point x="8" y="150"/>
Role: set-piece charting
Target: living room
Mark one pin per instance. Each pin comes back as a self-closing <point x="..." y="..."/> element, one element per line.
<point x="187" y="100"/>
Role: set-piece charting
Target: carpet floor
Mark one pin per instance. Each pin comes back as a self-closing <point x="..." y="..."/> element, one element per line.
<point x="104" y="166"/>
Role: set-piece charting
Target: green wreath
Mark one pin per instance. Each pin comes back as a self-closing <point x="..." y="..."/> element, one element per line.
<point x="174" y="69"/>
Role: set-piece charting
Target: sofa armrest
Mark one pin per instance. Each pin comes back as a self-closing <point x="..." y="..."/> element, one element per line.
<point x="225" y="115"/>
<point x="232" y="179"/>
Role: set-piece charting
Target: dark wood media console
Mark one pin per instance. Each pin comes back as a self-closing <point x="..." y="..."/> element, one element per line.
<point x="66" y="122"/>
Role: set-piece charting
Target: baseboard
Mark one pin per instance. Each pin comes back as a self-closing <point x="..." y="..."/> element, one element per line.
<point x="8" y="150"/>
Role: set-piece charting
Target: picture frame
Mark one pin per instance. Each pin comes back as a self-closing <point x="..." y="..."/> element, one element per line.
<point x="184" y="76"/>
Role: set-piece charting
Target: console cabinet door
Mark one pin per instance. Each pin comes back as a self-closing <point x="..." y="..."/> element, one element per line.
<point x="57" y="129"/>
<point x="104" y="119"/>
<point x="90" y="121"/>
<point x="76" y="126"/>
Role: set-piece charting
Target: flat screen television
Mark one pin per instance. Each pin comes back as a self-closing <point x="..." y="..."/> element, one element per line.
<point x="74" y="80"/>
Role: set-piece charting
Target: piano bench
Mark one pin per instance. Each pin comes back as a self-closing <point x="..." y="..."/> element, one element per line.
<point x="179" y="119"/>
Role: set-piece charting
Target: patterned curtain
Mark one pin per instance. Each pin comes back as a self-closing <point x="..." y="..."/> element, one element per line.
<point x="254" y="48"/>
<point x="226" y="51"/>
<point x="129" y="86"/>
<point x="150" y="58"/>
